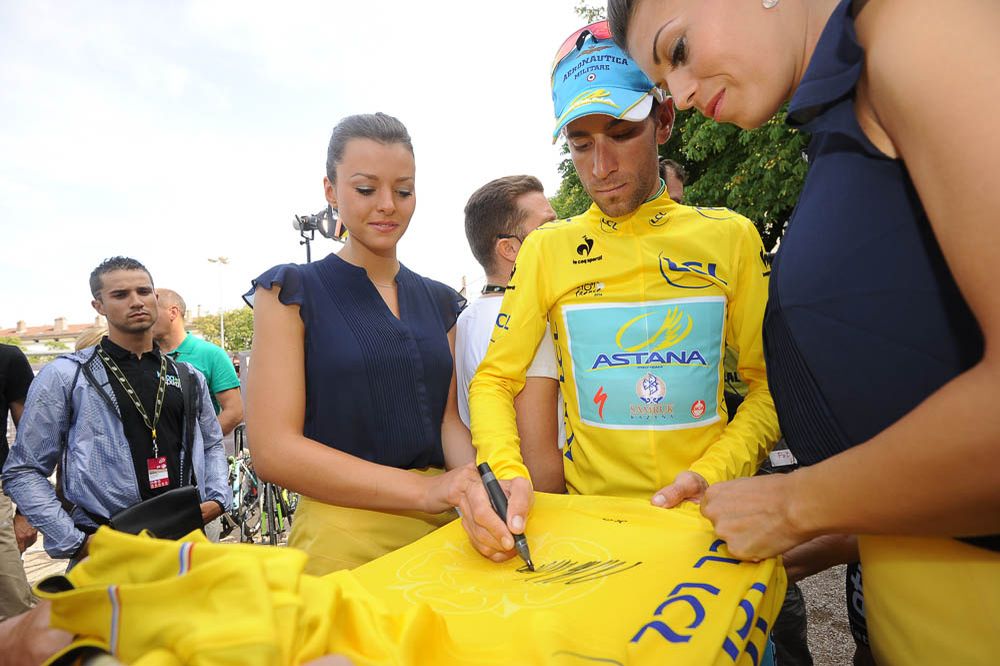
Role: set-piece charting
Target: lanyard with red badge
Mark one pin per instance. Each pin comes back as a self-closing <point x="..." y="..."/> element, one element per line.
<point x="156" y="466"/>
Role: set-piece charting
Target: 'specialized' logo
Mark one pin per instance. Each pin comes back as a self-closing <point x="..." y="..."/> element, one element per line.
<point x="599" y="399"/>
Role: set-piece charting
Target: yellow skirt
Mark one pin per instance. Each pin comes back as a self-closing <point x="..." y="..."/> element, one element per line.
<point x="340" y="537"/>
<point x="931" y="601"/>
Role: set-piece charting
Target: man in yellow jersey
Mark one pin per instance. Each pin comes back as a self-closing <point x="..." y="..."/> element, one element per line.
<point x="643" y="295"/>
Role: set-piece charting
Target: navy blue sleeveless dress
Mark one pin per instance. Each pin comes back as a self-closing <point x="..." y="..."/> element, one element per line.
<point x="864" y="319"/>
<point x="376" y="386"/>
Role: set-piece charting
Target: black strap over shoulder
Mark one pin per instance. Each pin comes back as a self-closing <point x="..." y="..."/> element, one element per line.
<point x="189" y="390"/>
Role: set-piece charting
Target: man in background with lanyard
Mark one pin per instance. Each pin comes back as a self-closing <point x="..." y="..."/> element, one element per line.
<point x="114" y="415"/>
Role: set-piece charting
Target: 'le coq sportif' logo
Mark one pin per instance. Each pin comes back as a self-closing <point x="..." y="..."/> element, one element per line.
<point x="639" y="348"/>
<point x="584" y="250"/>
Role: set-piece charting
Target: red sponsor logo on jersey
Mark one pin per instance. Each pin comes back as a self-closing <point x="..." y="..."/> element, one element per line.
<point x="698" y="409"/>
<point x="599" y="399"/>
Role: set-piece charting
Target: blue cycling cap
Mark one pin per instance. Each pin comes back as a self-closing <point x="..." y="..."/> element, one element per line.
<point x="597" y="77"/>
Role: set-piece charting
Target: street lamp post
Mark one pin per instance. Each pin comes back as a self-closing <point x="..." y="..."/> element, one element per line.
<point x="222" y="261"/>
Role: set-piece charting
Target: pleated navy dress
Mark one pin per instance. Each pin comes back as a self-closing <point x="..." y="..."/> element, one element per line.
<point x="376" y="386"/>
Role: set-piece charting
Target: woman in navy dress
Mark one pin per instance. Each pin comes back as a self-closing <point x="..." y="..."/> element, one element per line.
<point x="351" y="392"/>
<point x="883" y="302"/>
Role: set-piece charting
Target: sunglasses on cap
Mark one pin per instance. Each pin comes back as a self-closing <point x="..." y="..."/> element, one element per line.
<point x="574" y="42"/>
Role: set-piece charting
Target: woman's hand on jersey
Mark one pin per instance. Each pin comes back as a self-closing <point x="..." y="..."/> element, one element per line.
<point x="463" y="488"/>
<point x="755" y="516"/>
<point x="687" y="486"/>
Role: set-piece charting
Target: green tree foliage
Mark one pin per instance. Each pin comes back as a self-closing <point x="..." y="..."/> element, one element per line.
<point x="239" y="328"/>
<point x="757" y="173"/>
<point x="571" y="199"/>
<point x="12" y="340"/>
<point x="587" y="13"/>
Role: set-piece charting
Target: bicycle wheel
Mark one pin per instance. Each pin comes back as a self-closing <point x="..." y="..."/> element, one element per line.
<point x="292" y="500"/>
<point x="249" y="507"/>
<point x="285" y="512"/>
<point x="271" y="515"/>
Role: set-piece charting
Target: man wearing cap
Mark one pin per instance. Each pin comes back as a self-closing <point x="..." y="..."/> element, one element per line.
<point x="643" y="295"/>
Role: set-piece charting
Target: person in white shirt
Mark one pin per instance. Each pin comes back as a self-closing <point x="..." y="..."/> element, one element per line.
<point x="498" y="216"/>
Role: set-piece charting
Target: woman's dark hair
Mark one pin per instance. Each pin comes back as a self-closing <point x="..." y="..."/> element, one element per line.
<point x="619" y="14"/>
<point x="375" y="126"/>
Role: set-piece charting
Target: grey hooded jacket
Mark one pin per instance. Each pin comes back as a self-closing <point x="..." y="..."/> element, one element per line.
<point x="71" y="417"/>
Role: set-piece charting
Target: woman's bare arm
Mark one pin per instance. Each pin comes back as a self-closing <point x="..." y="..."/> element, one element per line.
<point x="932" y="78"/>
<point x="276" y="414"/>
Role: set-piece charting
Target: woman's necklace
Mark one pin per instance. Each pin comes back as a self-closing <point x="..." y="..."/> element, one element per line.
<point x="384" y="286"/>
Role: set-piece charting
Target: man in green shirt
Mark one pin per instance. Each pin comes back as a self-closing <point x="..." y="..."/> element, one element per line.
<point x="211" y="360"/>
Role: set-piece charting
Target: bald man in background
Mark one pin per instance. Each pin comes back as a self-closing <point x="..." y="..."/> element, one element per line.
<point x="211" y="360"/>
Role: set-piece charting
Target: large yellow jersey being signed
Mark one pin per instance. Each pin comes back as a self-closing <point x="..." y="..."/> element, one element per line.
<point x="641" y="310"/>
<point x="617" y="582"/>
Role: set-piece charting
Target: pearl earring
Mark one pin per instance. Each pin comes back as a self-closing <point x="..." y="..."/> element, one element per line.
<point x="769" y="4"/>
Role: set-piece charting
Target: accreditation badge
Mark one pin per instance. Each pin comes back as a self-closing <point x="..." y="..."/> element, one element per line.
<point x="158" y="474"/>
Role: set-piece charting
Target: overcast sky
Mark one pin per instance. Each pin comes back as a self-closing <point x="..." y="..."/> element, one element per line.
<point x="177" y="131"/>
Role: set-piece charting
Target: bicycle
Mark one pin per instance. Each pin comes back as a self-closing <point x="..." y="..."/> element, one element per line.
<point x="261" y="511"/>
<point x="244" y="512"/>
<point x="279" y="506"/>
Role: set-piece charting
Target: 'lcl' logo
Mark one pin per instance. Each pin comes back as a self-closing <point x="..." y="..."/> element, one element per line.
<point x="689" y="268"/>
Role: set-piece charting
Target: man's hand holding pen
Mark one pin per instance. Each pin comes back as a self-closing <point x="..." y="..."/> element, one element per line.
<point x="487" y="532"/>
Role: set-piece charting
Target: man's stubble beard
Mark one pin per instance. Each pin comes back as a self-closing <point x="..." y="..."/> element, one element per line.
<point x="128" y="327"/>
<point x="636" y="198"/>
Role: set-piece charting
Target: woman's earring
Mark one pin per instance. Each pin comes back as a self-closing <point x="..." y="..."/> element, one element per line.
<point x="769" y="4"/>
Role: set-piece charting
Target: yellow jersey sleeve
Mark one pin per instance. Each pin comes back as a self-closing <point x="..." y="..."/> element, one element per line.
<point x="501" y="374"/>
<point x="752" y="432"/>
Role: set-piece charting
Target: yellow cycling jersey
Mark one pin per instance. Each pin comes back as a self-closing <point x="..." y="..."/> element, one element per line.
<point x="617" y="581"/>
<point x="641" y="309"/>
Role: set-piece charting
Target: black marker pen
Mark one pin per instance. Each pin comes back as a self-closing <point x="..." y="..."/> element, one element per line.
<point x="499" y="501"/>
